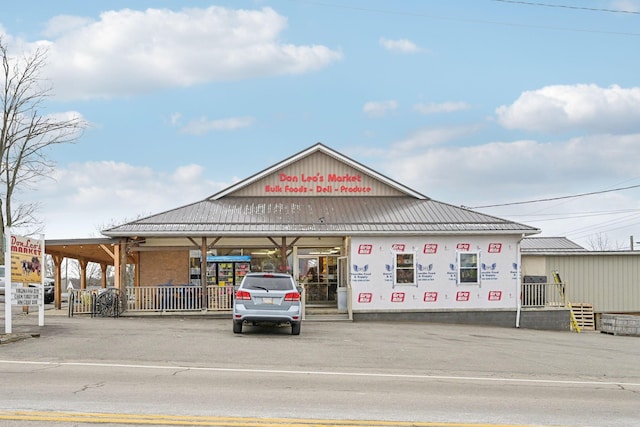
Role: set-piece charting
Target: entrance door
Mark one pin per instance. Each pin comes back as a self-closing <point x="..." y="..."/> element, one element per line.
<point x="309" y="275"/>
<point x="318" y="273"/>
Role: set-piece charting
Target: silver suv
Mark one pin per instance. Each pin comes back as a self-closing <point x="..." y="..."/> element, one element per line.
<point x="267" y="298"/>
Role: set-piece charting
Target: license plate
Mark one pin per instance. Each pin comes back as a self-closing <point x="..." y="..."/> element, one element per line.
<point x="267" y="300"/>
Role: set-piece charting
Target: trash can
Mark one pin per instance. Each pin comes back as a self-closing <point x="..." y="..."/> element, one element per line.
<point x="342" y="299"/>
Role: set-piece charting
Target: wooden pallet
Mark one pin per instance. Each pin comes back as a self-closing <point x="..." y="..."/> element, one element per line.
<point x="583" y="314"/>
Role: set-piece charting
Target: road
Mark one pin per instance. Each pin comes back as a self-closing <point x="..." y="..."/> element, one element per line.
<point x="192" y="370"/>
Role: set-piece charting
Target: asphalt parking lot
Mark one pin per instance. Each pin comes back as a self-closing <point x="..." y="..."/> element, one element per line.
<point x="508" y="351"/>
<point x="350" y="370"/>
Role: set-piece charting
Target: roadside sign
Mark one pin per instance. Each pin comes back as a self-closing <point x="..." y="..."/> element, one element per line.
<point x="23" y="261"/>
<point x="25" y="296"/>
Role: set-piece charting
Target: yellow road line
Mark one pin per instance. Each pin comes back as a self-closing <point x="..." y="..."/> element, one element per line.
<point x="192" y="420"/>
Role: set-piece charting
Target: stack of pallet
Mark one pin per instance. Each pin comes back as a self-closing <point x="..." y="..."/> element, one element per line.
<point x="583" y="313"/>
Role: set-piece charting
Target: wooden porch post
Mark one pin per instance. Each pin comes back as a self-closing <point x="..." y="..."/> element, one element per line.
<point x="123" y="265"/>
<point x="103" y="278"/>
<point x="283" y="255"/>
<point x="118" y="277"/>
<point x="57" y="275"/>
<point x="83" y="273"/>
<point x="203" y="273"/>
<point x="136" y="263"/>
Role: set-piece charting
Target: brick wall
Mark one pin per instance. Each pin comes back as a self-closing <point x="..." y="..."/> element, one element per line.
<point x="158" y="267"/>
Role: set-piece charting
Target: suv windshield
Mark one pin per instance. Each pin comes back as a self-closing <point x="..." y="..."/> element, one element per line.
<point x="268" y="283"/>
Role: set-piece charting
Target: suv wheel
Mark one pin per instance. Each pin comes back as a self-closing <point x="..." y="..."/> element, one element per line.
<point x="295" y="328"/>
<point x="237" y="327"/>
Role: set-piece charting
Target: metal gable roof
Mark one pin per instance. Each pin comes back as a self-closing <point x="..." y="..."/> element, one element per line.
<point x="549" y="244"/>
<point x="236" y="216"/>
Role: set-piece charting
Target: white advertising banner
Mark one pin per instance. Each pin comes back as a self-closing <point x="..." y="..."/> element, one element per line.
<point x="423" y="273"/>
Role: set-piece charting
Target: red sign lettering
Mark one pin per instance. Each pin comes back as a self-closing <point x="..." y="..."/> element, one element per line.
<point x="365" y="249"/>
<point x="430" y="297"/>
<point x="319" y="183"/>
<point x="494" y="248"/>
<point x="365" y="297"/>
<point x="397" y="297"/>
<point x="463" y="296"/>
<point x="495" y="295"/>
<point x="463" y="246"/>
<point x="430" y="248"/>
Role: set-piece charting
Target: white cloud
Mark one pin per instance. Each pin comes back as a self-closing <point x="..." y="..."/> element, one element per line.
<point x="574" y="107"/>
<point x="429" y="137"/>
<point x="379" y="108"/>
<point x="503" y="172"/>
<point x="512" y="169"/>
<point x="626" y="5"/>
<point x="175" y="118"/>
<point x="187" y="174"/>
<point x="203" y="125"/>
<point x="85" y="198"/>
<point x="444" y="107"/>
<point x="400" y="46"/>
<point x="62" y="24"/>
<point x="129" y="52"/>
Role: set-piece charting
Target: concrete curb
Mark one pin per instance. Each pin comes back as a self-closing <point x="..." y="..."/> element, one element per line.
<point x="9" y="338"/>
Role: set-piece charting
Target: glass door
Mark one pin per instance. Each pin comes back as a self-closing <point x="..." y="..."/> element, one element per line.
<point x="309" y="275"/>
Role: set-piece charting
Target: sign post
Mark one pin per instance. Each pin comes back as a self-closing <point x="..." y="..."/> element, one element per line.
<point x="7" y="281"/>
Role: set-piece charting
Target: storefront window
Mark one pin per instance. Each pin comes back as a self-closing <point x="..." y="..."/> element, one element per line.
<point x="468" y="268"/>
<point x="259" y="259"/>
<point x="405" y="269"/>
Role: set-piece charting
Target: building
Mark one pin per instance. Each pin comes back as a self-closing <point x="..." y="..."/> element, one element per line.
<point x="607" y="281"/>
<point x="354" y="238"/>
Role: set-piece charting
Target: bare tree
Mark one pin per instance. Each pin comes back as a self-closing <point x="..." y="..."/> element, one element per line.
<point x="93" y="272"/>
<point x="601" y="242"/>
<point x="27" y="133"/>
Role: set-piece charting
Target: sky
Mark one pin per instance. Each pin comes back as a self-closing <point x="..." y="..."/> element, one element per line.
<point x="529" y="111"/>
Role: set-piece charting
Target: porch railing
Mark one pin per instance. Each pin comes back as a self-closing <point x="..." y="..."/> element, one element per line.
<point x="543" y="295"/>
<point x="220" y="298"/>
<point x="159" y="298"/>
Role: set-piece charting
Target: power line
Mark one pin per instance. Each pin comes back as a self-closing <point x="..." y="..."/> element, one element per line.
<point x="556" y="198"/>
<point x="562" y="6"/>
<point x="560" y="216"/>
<point x="457" y="18"/>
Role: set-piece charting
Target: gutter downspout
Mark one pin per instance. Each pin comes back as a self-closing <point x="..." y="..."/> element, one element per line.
<point x="518" y="280"/>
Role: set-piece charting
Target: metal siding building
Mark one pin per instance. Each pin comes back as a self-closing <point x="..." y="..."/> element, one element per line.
<point x="609" y="280"/>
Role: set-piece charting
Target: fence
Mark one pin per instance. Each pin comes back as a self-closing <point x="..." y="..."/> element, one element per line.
<point x="220" y="298"/>
<point x="543" y="295"/>
<point x="156" y="298"/>
<point x="109" y="302"/>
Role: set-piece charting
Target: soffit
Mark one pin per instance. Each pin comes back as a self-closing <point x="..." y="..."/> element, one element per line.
<point x="94" y="250"/>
